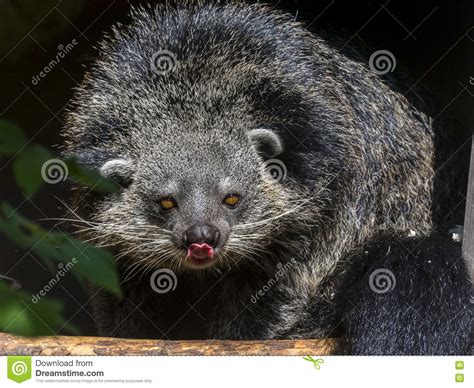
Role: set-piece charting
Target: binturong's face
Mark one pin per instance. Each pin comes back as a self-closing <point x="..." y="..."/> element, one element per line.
<point x="193" y="202"/>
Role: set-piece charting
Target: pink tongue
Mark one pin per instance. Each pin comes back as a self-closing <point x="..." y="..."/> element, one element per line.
<point x="200" y="251"/>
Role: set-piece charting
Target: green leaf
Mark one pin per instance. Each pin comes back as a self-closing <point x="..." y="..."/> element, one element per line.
<point x="12" y="138"/>
<point x="20" y="315"/>
<point x="27" y="168"/>
<point x="94" y="264"/>
<point x="89" y="263"/>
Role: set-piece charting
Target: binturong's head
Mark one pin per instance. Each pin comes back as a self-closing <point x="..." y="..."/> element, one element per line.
<point x="193" y="200"/>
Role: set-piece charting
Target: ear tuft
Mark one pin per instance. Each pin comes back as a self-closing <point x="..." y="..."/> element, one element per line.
<point x="267" y="142"/>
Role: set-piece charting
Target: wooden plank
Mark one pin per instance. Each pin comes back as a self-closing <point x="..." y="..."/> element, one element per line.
<point x="468" y="233"/>
<point x="98" y="346"/>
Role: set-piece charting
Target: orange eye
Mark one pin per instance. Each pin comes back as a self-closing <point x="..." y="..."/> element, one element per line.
<point x="232" y="200"/>
<point x="167" y="203"/>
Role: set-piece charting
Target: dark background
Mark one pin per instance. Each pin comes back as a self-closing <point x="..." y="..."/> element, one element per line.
<point x="432" y="41"/>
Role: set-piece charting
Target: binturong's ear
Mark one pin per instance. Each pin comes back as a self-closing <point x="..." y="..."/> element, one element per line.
<point x="119" y="170"/>
<point x="267" y="142"/>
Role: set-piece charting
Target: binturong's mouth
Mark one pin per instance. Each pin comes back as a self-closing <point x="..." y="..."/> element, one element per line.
<point x="201" y="241"/>
<point x="200" y="255"/>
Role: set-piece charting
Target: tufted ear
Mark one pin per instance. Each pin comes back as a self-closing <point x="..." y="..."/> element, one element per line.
<point x="267" y="142"/>
<point x="119" y="170"/>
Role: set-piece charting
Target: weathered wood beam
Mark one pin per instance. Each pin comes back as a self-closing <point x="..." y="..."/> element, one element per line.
<point x="98" y="346"/>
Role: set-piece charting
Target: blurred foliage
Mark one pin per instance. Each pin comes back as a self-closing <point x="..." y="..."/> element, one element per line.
<point x="18" y="313"/>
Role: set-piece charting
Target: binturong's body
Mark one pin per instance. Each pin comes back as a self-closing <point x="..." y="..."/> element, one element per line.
<point x="261" y="166"/>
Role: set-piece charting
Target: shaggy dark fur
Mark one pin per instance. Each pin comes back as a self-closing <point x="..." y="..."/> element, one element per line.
<point x="355" y="159"/>
<point x="429" y="310"/>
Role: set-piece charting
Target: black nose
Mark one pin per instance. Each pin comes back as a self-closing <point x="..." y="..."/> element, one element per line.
<point x="199" y="234"/>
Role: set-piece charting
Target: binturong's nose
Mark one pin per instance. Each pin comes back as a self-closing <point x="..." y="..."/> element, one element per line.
<point x="201" y="234"/>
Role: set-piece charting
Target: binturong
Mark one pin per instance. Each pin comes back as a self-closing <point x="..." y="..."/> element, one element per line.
<point x="255" y="161"/>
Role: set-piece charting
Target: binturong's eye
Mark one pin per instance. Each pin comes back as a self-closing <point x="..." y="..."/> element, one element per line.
<point x="167" y="203"/>
<point x="232" y="200"/>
